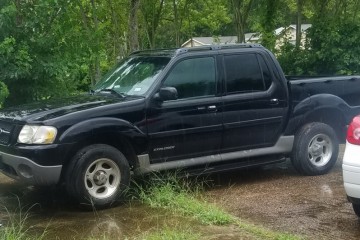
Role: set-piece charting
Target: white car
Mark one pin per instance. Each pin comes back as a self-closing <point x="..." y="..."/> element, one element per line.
<point x="351" y="164"/>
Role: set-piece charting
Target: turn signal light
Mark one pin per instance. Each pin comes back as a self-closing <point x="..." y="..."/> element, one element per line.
<point x="353" y="133"/>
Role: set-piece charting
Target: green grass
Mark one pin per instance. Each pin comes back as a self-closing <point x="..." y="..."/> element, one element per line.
<point x="16" y="229"/>
<point x="170" y="234"/>
<point x="264" y="233"/>
<point x="181" y="197"/>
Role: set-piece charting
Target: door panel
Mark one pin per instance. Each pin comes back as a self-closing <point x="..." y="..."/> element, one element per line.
<point x="254" y="108"/>
<point x="183" y="129"/>
<point x="190" y="126"/>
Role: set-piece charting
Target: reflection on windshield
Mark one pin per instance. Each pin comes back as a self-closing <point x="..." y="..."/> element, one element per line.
<point x="133" y="76"/>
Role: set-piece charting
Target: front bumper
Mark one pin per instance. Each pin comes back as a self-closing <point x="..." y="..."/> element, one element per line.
<point x="25" y="170"/>
<point x="351" y="172"/>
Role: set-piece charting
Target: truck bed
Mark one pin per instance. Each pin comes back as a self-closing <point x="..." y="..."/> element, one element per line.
<point x="345" y="87"/>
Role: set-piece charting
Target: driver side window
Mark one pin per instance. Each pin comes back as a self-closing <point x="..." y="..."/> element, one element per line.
<point x="193" y="78"/>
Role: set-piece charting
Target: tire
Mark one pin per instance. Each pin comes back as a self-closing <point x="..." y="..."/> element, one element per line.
<point x="97" y="176"/>
<point x="316" y="149"/>
<point x="356" y="208"/>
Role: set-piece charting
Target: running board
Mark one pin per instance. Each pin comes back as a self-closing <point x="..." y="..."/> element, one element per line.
<point x="283" y="146"/>
<point x="232" y="165"/>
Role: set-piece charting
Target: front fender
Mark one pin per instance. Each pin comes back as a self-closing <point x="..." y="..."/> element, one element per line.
<point x="96" y="126"/>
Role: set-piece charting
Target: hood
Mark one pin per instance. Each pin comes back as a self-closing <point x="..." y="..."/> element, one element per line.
<point x="48" y="109"/>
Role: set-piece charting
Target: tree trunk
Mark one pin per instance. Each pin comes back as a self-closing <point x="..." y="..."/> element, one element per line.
<point x="268" y="23"/>
<point x="96" y="28"/>
<point x="155" y="23"/>
<point x="18" y="12"/>
<point x="241" y="14"/>
<point x="176" y="24"/>
<point x="133" y="26"/>
<point x="299" y="4"/>
<point x="117" y="44"/>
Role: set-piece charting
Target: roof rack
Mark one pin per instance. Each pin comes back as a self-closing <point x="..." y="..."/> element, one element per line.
<point x="178" y="51"/>
<point x="160" y="50"/>
<point x="217" y="47"/>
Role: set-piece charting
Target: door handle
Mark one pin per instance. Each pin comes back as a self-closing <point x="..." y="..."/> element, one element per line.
<point x="212" y="108"/>
<point x="274" y="101"/>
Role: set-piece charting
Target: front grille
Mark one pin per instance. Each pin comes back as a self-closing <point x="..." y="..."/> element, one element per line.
<point x="5" y="132"/>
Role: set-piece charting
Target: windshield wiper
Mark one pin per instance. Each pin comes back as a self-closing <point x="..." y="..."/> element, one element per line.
<point x="112" y="91"/>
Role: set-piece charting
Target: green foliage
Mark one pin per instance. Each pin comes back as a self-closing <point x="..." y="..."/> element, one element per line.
<point x="52" y="48"/>
<point x="4" y="93"/>
<point x="294" y="61"/>
<point x="269" y="20"/>
<point x="332" y="45"/>
<point x="33" y="64"/>
<point x="206" y="18"/>
<point x="192" y="19"/>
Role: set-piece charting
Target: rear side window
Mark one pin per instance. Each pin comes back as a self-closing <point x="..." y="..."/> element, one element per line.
<point x="265" y="72"/>
<point x="193" y="77"/>
<point x="244" y="74"/>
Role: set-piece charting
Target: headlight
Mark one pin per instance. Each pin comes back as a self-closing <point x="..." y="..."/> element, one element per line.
<point x="37" y="134"/>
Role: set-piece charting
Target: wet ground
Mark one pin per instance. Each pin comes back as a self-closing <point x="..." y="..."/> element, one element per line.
<point x="274" y="196"/>
<point x="50" y="210"/>
<point x="280" y="199"/>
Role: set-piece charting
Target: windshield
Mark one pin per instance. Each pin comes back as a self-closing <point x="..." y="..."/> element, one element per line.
<point x="133" y="76"/>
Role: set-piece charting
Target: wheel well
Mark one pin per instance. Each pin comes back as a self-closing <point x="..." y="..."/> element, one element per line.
<point x="123" y="144"/>
<point x="332" y="117"/>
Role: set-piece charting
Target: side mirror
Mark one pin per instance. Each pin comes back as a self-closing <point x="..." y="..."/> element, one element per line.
<point x="167" y="93"/>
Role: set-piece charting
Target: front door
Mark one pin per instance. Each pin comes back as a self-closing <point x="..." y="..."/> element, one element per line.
<point x="191" y="125"/>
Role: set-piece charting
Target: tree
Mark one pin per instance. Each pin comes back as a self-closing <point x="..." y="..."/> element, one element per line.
<point x="152" y="12"/>
<point x="299" y="5"/>
<point x="269" y="21"/>
<point x="133" y="26"/>
<point x="241" y="11"/>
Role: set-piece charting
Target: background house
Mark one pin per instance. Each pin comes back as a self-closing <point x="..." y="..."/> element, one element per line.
<point x="203" y="41"/>
<point x="288" y="34"/>
<point x="283" y="34"/>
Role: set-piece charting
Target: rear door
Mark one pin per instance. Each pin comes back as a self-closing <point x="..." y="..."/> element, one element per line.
<point x="255" y="103"/>
<point x="191" y="125"/>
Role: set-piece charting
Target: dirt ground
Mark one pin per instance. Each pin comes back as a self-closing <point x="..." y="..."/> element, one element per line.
<point x="280" y="199"/>
<point x="273" y="196"/>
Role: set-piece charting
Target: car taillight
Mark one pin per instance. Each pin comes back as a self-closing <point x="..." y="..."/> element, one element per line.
<point x="353" y="133"/>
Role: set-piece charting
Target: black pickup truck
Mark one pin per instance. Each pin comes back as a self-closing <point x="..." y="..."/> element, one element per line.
<point x="204" y="109"/>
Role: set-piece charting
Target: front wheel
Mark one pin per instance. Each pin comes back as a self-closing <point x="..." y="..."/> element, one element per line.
<point x="316" y="149"/>
<point x="97" y="176"/>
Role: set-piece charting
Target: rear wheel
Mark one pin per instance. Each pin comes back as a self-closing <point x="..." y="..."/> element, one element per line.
<point x="97" y="176"/>
<point x="316" y="149"/>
